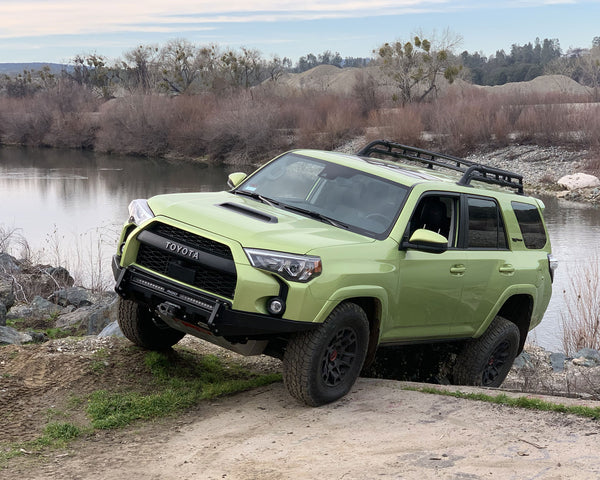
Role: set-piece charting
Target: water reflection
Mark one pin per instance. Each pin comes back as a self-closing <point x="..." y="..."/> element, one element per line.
<point x="574" y="230"/>
<point x="64" y="187"/>
<point x="75" y="202"/>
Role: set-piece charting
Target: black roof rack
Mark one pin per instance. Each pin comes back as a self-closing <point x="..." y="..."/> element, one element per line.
<point x="471" y="170"/>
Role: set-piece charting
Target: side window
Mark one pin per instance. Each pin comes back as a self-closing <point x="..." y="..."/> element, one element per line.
<point x="486" y="227"/>
<point x="438" y="214"/>
<point x="530" y="223"/>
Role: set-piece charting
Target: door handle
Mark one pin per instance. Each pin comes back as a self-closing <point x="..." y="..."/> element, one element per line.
<point x="507" y="268"/>
<point x="458" y="269"/>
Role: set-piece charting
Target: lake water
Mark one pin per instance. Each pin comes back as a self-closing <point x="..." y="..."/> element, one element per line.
<point x="70" y="205"/>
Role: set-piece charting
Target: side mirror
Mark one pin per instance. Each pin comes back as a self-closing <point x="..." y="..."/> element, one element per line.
<point x="426" y="241"/>
<point x="234" y="179"/>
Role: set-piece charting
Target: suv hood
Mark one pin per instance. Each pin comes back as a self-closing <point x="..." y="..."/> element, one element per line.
<point x="251" y="223"/>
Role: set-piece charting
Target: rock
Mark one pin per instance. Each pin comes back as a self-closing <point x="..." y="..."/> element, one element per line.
<point x="584" y="362"/>
<point x="111" y="330"/>
<point x="92" y="319"/>
<point x="2" y="315"/>
<point x="557" y="360"/>
<point x="38" y="308"/>
<point x="8" y="263"/>
<point x="523" y="361"/>
<point x="38" y="337"/>
<point x="7" y="296"/>
<point x="10" y="336"/>
<point x="43" y="280"/>
<point x="76" y="296"/>
<point x="20" y="311"/>
<point x="588" y="354"/>
<point x="44" y="308"/>
<point x="579" y="180"/>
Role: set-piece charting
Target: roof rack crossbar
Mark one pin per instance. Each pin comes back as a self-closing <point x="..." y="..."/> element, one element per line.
<point x="472" y="171"/>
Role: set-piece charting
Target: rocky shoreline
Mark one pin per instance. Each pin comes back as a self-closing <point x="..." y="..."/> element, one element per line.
<point x="39" y="304"/>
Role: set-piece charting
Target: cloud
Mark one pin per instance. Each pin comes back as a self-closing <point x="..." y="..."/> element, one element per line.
<point x="29" y="18"/>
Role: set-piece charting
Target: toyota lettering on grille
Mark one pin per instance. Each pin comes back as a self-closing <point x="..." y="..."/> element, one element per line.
<point x="182" y="250"/>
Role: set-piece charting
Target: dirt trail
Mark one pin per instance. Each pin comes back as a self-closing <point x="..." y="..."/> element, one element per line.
<point x="379" y="431"/>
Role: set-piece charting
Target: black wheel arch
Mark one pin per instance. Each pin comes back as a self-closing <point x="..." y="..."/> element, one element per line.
<point x="518" y="309"/>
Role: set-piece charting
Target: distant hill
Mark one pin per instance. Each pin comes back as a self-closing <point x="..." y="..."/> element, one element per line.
<point x="14" y="68"/>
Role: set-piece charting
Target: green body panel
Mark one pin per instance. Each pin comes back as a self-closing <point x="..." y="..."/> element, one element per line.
<point x="419" y="295"/>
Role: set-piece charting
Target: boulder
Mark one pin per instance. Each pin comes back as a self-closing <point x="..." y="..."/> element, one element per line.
<point x="557" y="360"/>
<point x="579" y="180"/>
<point x="7" y="296"/>
<point x="8" y="263"/>
<point x="43" y="280"/>
<point x="111" y="330"/>
<point x="38" y="308"/>
<point x="10" y="336"/>
<point x="588" y="354"/>
<point x="76" y="296"/>
<point x="91" y="319"/>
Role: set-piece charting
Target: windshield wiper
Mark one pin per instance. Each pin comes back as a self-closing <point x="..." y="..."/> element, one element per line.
<point x="256" y="196"/>
<point x="315" y="215"/>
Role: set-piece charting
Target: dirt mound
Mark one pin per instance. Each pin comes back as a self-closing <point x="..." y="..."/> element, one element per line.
<point x="40" y="379"/>
<point x="544" y="85"/>
<point x="41" y="383"/>
<point x="328" y="78"/>
<point x="342" y="81"/>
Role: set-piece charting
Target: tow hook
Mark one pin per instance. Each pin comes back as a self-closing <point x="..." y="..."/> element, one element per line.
<point x="168" y="309"/>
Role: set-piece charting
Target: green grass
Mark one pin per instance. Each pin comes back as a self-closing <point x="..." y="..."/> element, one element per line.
<point x="518" y="402"/>
<point x="55" y="435"/>
<point x="179" y="380"/>
<point x="51" y="332"/>
<point x="180" y="384"/>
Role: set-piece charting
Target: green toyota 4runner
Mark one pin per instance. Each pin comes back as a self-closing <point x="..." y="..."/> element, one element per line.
<point x="320" y="258"/>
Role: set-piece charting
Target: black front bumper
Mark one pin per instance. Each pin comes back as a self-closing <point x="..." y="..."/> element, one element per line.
<point x="191" y="308"/>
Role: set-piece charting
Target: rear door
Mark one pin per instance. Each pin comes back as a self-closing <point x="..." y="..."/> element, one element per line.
<point x="489" y="263"/>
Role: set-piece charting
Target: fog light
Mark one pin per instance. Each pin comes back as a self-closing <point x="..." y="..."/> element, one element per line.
<point x="276" y="306"/>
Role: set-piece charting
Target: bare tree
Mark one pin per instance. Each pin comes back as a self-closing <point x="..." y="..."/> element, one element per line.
<point x="94" y="72"/>
<point x="417" y="67"/>
<point x="141" y="65"/>
<point x="179" y="65"/>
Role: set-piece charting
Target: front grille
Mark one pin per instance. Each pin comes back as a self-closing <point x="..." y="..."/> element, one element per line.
<point x="187" y="238"/>
<point x="188" y="271"/>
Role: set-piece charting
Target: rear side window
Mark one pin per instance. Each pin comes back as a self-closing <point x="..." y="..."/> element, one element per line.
<point x="531" y="225"/>
<point x="486" y="227"/>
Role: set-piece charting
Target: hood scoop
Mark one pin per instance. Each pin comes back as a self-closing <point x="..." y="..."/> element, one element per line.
<point x="249" y="212"/>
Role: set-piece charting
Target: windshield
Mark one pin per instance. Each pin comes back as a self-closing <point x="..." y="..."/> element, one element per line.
<point x="339" y="195"/>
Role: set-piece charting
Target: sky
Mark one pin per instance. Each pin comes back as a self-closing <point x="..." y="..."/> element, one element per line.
<point x="58" y="30"/>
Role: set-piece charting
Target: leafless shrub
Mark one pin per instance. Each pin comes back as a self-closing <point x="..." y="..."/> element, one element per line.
<point x="581" y="322"/>
<point x="137" y="125"/>
<point x="400" y="124"/>
<point x="593" y="165"/>
<point x="25" y="121"/>
<point x="365" y="92"/>
<point x="544" y="124"/>
<point x="326" y="121"/>
<point x="8" y="236"/>
<point x="466" y="120"/>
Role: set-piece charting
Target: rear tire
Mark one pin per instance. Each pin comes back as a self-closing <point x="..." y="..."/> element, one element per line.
<point x="321" y="365"/>
<point x="140" y="325"/>
<point x="487" y="360"/>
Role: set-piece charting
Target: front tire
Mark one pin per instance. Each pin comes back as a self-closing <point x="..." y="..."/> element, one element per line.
<point x="487" y="360"/>
<point x="139" y="325"/>
<point x="321" y="365"/>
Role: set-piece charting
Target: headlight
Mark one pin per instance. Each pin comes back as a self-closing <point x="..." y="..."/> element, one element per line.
<point x="139" y="211"/>
<point x="297" y="268"/>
